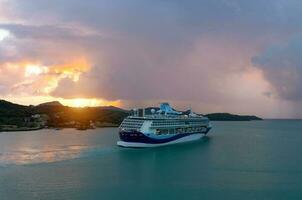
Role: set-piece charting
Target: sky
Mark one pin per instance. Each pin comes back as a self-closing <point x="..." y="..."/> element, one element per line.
<point x="237" y="56"/>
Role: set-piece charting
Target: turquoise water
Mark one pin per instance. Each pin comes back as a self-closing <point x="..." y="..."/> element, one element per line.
<point x="238" y="160"/>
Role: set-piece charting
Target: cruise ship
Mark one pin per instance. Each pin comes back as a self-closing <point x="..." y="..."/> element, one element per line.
<point x="161" y="127"/>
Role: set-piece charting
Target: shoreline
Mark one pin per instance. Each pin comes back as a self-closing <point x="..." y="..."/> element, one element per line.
<point x="24" y="129"/>
<point x="54" y="128"/>
<point x="21" y="129"/>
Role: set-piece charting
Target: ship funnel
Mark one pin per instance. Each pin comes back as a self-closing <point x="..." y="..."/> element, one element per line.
<point x="141" y="112"/>
<point x="135" y="112"/>
<point x="167" y="109"/>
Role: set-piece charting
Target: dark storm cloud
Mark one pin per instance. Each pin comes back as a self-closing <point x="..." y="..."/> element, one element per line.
<point x="159" y="49"/>
<point x="147" y="39"/>
<point x="282" y="66"/>
<point x="152" y="41"/>
<point x="48" y="44"/>
<point x="22" y="31"/>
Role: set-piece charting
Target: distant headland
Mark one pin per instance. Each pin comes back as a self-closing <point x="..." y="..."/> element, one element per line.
<point x="15" y="117"/>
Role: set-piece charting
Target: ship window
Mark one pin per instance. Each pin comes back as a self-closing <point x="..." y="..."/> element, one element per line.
<point x="162" y="131"/>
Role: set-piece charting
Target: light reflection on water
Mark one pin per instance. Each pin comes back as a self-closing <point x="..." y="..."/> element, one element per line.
<point x="45" y="146"/>
<point x="47" y="154"/>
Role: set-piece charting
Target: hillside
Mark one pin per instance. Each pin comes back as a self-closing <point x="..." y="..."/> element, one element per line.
<point x="52" y="103"/>
<point x="216" y="116"/>
<point x="231" y="117"/>
<point x="62" y="116"/>
<point x="54" y="114"/>
<point x="12" y="114"/>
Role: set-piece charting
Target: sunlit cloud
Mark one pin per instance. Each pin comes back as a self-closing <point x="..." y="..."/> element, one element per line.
<point x="72" y="69"/>
<point x="86" y="102"/>
<point x="78" y="102"/>
<point x="33" y="70"/>
<point x="4" y="34"/>
<point x="31" y="82"/>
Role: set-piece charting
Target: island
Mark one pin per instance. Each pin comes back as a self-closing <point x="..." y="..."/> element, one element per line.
<point x="231" y="117"/>
<point x="15" y="117"/>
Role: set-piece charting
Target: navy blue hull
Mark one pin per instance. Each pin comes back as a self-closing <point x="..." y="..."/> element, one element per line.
<point x="136" y="136"/>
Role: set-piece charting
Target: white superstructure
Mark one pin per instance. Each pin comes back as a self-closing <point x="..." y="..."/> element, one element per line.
<point x="161" y="127"/>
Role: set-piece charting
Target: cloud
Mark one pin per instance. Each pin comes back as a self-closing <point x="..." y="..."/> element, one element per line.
<point x="48" y="44"/>
<point x="140" y="50"/>
<point x="143" y="71"/>
<point x="50" y="52"/>
<point x="282" y="67"/>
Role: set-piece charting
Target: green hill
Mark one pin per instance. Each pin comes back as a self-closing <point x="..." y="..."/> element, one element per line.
<point x="231" y="117"/>
<point x="60" y="115"/>
<point x="12" y="114"/>
<point x="216" y="116"/>
<point x="54" y="114"/>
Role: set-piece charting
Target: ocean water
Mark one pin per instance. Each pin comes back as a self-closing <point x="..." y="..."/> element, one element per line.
<point x="238" y="160"/>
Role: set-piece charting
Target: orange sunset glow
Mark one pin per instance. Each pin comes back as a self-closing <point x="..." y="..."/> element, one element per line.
<point x="44" y="79"/>
<point x="82" y="102"/>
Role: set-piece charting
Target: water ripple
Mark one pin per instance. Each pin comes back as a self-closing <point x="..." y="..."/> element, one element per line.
<point x="49" y="154"/>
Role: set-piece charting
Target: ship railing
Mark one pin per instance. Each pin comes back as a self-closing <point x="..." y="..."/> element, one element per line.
<point x="176" y="126"/>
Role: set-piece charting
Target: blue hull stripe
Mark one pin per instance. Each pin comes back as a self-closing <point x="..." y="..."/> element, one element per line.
<point x="136" y="136"/>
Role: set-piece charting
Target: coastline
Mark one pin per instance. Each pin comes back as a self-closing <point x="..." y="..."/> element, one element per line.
<point x="21" y="129"/>
<point x="24" y="129"/>
<point x="102" y="125"/>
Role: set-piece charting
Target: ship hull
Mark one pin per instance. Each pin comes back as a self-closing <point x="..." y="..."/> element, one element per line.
<point x="137" y="139"/>
<point x="144" y="145"/>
